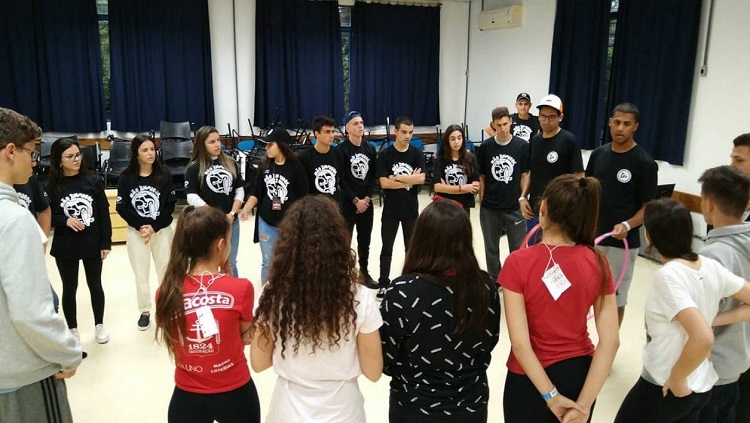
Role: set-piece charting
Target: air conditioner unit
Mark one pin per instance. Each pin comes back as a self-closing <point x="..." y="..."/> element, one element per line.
<point x="506" y="17"/>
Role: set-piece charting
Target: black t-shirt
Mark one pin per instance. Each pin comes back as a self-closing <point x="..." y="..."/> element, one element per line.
<point x="358" y="175"/>
<point x="432" y="368"/>
<point x="550" y="158"/>
<point x="402" y="202"/>
<point x="32" y="196"/>
<point x="323" y="171"/>
<point x="628" y="180"/>
<point x="287" y="183"/>
<point x="218" y="186"/>
<point x="83" y="198"/>
<point x="524" y="129"/>
<point x="502" y="166"/>
<point x="140" y="202"/>
<point x="452" y="173"/>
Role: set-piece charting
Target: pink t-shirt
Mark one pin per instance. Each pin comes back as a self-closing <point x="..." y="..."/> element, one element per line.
<point x="557" y="329"/>
<point x="217" y="363"/>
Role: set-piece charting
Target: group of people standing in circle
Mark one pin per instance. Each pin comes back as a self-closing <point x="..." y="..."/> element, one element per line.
<point x="319" y="326"/>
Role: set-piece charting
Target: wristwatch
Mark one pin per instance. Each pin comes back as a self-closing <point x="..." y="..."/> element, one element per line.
<point x="233" y="213"/>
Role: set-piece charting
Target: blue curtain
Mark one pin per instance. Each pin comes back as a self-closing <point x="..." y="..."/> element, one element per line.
<point x="653" y="67"/>
<point x="50" y="63"/>
<point x="299" y="67"/>
<point x="579" y="62"/>
<point x="394" y="63"/>
<point x="160" y="62"/>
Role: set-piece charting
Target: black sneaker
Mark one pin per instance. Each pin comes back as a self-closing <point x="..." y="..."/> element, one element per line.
<point x="144" y="321"/>
<point x="369" y="281"/>
<point x="381" y="293"/>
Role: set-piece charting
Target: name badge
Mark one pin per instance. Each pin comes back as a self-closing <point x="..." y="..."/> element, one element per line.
<point x="206" y="321"/>
<point x="556" y="281"/>
<point x="276" y="204"/>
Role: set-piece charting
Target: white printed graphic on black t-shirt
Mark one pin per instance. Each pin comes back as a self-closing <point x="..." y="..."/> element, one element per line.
<point x="522" y="131"/>
<point x="24" y="200"/>
<point x="624" y="176"/>
<point x="502" y="168"/>
<point x="199" y="343"/>
<point x="402" y="169"/>
<point x="145" y="201"/>
<point x="454" y="175"/>
<point x="219" y="180"/>
<point x="360" y="165"/>
<point x="277" y="186"/>
<point x="325" y="179"/>
<point x="552" y="157"/>
<point x="79" y="206"/>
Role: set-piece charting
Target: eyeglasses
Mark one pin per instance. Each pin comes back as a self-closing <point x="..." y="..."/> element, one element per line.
<point x="34" y="154"/>
<point x="548" y="118"/>
<point x="73" y="157"/>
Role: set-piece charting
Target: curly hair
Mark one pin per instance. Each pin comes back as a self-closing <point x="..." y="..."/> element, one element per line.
<point x="309" y="297"/>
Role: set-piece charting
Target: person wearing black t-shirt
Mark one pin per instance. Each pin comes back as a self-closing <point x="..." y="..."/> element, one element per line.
<point x="552" y="153"/>
<point x="504" y="174"/>
<point x="357" y="184"/>
<point x="456" y="170"/>
<point x="524" y="125"/>
<point x="83" y="230"/>
<point x="280" y="182"/>
<point x="322" y="163"/>
<point x="146" y="200"/>
<point x="400" y="174"/>
<point x="213" y="178"/>
<point x="628" y="177"/>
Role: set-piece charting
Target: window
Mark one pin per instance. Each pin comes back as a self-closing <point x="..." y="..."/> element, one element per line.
<point x="102" y="8"/>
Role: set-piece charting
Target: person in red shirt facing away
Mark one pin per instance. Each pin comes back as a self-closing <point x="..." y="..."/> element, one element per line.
<point x="554" y="370"/>
<point x="201" y="316"/>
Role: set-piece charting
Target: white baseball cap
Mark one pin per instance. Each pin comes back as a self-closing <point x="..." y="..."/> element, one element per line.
<point x="551" y="100"/>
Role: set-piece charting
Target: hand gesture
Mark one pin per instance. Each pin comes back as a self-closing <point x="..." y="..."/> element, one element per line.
<point x="75" y="224"/>
<point x="679" y="388"/>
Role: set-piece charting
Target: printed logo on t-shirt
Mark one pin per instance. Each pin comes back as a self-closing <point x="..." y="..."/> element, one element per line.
<point x="454" y="175"/>
<point x="360" y="165"/>
<point x="402" y="169"/>
<point x="277" y="186"/>
<point x="325" y="179"/>
<point x="502" y="168"/>
<point x="24" y="200"/>
<point x="552" y="157"/>
<point x="145" y="201"/>
<point x="522" y="131"/>
<point x="79" y="206"/>
<point x="624" y="176"/>
<point x="196" y="341"/>
<point x="219" y="179"/>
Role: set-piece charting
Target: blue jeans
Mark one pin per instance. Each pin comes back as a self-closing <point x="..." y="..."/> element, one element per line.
<point x="267" y="235"/>
<point x="235" y="243"/>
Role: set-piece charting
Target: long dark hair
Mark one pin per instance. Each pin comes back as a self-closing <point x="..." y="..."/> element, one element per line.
<point x="286" y="151"/>
<point x="134" y="166"/>
<point x="309" y="297"/>
<point x="573" y="205"/>
<point x="198" y="228"/>
<point x="464" y="156"/>
<point x="55" y="167"/>
<point x="670" y="228"/>
<point x="441" y="248"/>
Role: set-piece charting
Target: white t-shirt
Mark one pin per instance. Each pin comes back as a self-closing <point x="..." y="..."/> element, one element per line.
<point x="322" y="387"/>
<point x="677" y="287"/>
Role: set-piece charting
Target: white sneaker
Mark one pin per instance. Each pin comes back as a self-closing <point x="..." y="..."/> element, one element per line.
<point x="75" y="333"/>
<point x="102" y="337"/>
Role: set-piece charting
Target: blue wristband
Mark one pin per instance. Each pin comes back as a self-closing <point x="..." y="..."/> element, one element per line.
<point x="551" y="394"/>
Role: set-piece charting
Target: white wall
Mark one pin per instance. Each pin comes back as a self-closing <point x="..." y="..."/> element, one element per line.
<point x="454" y="36"/>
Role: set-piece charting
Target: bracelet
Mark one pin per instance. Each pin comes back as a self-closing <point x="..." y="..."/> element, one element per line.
<point x="626" y="224"/>
<point x="551" y="394"/>
<point x="521" y="198"/>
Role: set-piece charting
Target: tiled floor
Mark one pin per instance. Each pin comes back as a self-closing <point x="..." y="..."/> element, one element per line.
<point x="130" y="379"/>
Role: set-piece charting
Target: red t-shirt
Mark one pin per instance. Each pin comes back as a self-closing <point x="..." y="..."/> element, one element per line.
<point x="557" y="329"/>
<point x="217" y="363"/>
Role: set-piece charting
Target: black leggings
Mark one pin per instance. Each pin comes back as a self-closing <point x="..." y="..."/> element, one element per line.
<point x="239" y="405"/>
<point x="645" y="403"/>
<point x="522" y="403"/>
<point x="68" y="269"/>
